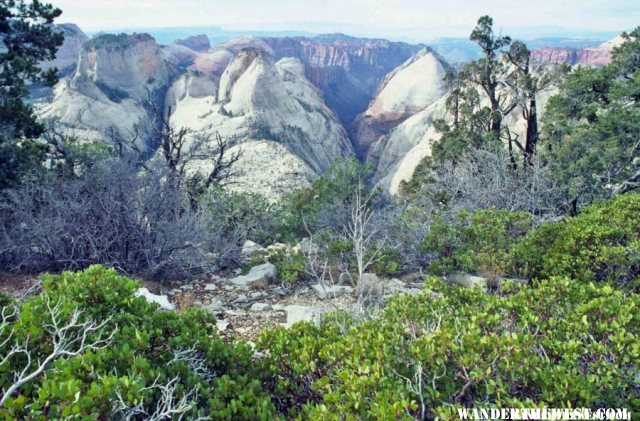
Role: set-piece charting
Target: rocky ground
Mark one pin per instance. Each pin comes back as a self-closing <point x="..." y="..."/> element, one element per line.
<point x="245" y="305"/>
<point x="245" y="310"/>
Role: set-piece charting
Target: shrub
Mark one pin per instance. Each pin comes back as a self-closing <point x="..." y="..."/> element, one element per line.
<point x="93" y="384"/>
<point x="290" y="264"/>
<point x="600" y="244"/>
<point x="477" y="242"/>
<point x="559" y="343"/>
<point x="388" y="263"/>
<point x="327" y="203"/>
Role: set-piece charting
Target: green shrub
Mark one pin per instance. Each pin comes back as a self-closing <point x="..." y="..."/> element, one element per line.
<point x="291" y="267"/>
<point x="290" y="264"/>
<point x="558" y="343"/>
<point x="388" y="263"/>
<point x="87" y="385"/>
<point x="477" y="242"/>
<point x="602" y="243"/>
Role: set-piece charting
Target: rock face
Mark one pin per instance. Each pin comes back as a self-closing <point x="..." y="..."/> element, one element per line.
<point x="110" y="88"/>
<point x="67" y="56"/>
<point x="271" y="112"/>
<point x="283" y="103"/>
<point x="594" y="56"/>
<point x="398" y="153"/>
<point x="346" y="69"/>
<point x="410" y="88"/>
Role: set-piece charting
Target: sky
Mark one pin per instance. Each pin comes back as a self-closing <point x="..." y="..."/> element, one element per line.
<point x="407" y="19"/>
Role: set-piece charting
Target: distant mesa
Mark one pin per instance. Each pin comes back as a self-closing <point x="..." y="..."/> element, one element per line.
<point x="591" y="56"/>
<point x="199" y="43"/>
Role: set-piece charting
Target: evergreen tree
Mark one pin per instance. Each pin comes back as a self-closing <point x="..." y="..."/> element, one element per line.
<point x="28" y="39"/>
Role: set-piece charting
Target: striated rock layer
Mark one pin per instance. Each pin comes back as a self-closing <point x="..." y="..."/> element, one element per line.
<point x="594" y="56"/>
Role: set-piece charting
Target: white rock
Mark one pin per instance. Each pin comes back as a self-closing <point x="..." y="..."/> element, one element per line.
<point x="260" y="307"/>
<point x="210" y="287"/>
<point x="331" y="291"/>
<point x="222" y="325"/>
<point x="468" y="281"/>
<point x="258" y="276"/>
<point x="215" y="305"/>
<point x="161" y="300"/>
<point x="297" y="313"/>
<point x="249" y="248"/>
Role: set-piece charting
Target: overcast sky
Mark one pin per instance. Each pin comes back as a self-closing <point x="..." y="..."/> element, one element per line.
<point x="397" y="18"/>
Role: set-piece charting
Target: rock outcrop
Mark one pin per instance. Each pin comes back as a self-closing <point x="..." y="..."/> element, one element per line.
<point x="111" y="86"/>
<point x="346" y="69"/>
<point x="271" y="112"/>
<point x="196" y="43"/>
<point x="408" y="89"/>
<point x="67" y="56"/>
<point x="593" y="56"/>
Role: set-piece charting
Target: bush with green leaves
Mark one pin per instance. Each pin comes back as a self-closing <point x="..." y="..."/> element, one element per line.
<point x="327" y="202"/>
<point x="602" y="243"/>
<point x="558" y="343"/>
<point x="290" y="263"/>
<point x="478" y="242"/>
<point x="150" y="348"/>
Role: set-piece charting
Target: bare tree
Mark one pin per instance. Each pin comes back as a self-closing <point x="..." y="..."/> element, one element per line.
<point x="69" y="337"/>
<point x="484" y="179"/>
<point x="362" y="233"/>
<point x="181" y="148"/>
<point x="168" y="406"/>
<point x="115" y="216"/>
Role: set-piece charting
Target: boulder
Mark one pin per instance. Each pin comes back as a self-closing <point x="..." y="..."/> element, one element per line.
<point x="260" y="307"/>
<point x="330" y="291"/>
<point x="161" y="300"/>
<point x="216" y="305"/>
<point x="210" y="287"/>
<point x="468" y="281"/>
<point x="249" y="248"/>
<point x="297" y="313"/>
<point x="344" y="279"/>
<point x="258" y="276"/>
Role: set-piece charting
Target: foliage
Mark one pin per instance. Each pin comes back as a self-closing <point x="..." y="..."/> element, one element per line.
<point x="593" y="126"/>
<point x="96" y="384"/>
<point x="28" y="39"/>
<point x="327" y="203"/>
<point x="601" y="244"/>
<point x="558" y="343"/>
<point x="388" y="263"/>
<point x="113" y="215"/>
<point x="290" y="263"/>
<point x="478" y="242"/>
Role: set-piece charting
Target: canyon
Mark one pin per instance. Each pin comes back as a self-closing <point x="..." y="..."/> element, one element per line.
<point x="290" y="106"/>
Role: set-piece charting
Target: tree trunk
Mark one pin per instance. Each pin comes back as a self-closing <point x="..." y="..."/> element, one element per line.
<point x="532" y="131"/>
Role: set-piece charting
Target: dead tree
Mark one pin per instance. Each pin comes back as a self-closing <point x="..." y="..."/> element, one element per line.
<point x="181" y="148"/>
<point x="361" y="232"/>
